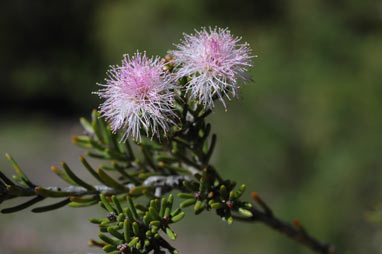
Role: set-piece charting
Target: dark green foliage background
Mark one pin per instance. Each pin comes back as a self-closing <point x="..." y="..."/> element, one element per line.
<point x="306" y="135"/>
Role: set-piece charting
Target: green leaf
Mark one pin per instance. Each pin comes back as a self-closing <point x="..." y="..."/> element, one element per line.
<point x="154" y="214"/>
<point x="223" y="192"/>
<point x="170" y="233"/>
<point x="245" y="212"/>
<point x="128" y="213"/>
<point x="75" y="178"/>
<point x="178" y="217"/>
<point x="240" y="191"/>
<point x="106" y="203"/>
<point x="108" y="248"/>
<point x="82" y="204"/>
<point x="129" y="149"/>
<point x="155" y="223"/>
<point x="81" y="141"/>
<point x="231" y="196"/>
<point x="170" y="201"/>
<point x="115" y="155"/>
<point x="132" y="207"/>
<point x="109" y="240"/>
<point x="117" y="204"/>
<point x="90" y="169"/>
<point x="121" y="217"/>
<point x="185" y="195"/>
<point x="18" y="170"/>
<point x="107" y="180"/>
<point x="101" y="156"/>
<point x="199" y="206"/>
<point x="126" y="230"/>
<point x="108" y="136"/>
<point x="86" y="125"/>
<point x="146" y="218"/>
<point x="115" y="233"/>
<point x="176" y="212"/>
<point x="23" y="205"/>
<point x="62" y="175"/>
<point x="98" y="220"/>
<point x="95" y="126"/>
<point x="133" y="242"/>
<point x="188" y="202"/>
<point x="51" y="207"/>
<point x="162" y="207"/>
<point x="135" y="227"/>
<point x="84" y="199"/>
<point x="217" y="205"/>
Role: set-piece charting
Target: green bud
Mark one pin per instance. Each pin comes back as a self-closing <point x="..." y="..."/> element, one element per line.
<point x="128" y="214"/>
<point x="217" y="205"/>
<point x="155" y="223"/>
<point x="231" y="196"/>
<point x="170" y="233"/>
<point x="115" y="233"/>
<point x="97" y="220"/>
<point x="185" y="195"/>
<point x="108" y="248"/>
<point x="163" y="206"/>
<point x="240" y="191"/>
<point x="135" y="228"/>
<point x="176" y="212"/>
<point x="109" y="240"/>
<point x="126" y="230"/>
<point x="103" y="229"/>
<point x="117" y="204"/>
<point x="146" y="218"/>
<point x="188" y="202"/>
<point x="245" y="212"/>
<point x="121" y="217"/>
<point x="133" y="242"/>
<point x="106" y="203"/>
<point x="223" y="191"/>
<point x="199" y="206"/>
<point x="178" y="217"/>
<point x="132" y="207"/>
<point x="154" y="214"/>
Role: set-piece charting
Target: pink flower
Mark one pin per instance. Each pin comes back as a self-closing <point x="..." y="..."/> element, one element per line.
<point x="216" y="63"/>
<point x="139" y="94"/>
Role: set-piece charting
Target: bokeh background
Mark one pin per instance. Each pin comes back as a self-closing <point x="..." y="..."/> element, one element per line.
<point x="306" y="135"/>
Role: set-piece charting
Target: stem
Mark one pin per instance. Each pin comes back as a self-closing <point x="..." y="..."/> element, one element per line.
<point x="165" y="183"/>
<point x="297" y="234"/>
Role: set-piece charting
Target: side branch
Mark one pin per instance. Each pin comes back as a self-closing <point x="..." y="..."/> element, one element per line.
<point x="159" y="184"/>
<point x="295" y="232"/>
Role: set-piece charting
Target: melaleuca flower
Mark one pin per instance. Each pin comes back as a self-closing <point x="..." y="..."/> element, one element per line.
<point x="139" y="94"/>
<point x="215" y="63"/>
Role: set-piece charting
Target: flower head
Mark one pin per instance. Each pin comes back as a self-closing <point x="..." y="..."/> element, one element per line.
<point x="138" y="94"/>
<point x="215" y="61"/>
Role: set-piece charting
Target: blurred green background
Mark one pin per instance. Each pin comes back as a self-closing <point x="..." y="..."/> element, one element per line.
<point x="306" y="135"/>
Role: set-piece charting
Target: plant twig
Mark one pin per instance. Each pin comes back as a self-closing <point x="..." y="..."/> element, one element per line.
<point x="295" y="233"/>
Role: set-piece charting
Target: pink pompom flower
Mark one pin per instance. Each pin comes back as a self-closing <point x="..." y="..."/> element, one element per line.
<point x="139" y="94"/>
<point x="215" y="62"/>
